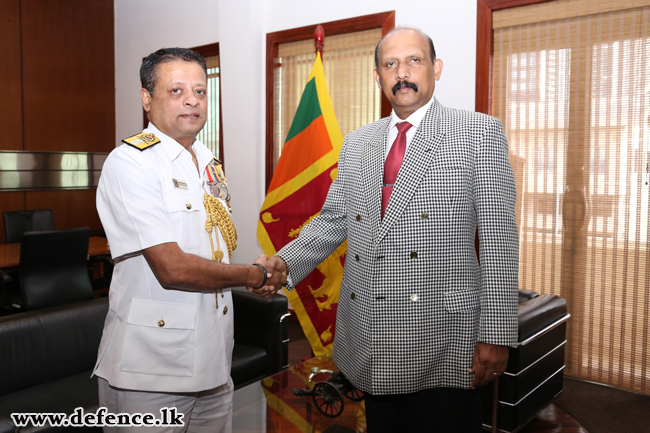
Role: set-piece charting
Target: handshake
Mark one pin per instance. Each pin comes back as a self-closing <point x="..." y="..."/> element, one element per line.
<point x="275" y="278"/>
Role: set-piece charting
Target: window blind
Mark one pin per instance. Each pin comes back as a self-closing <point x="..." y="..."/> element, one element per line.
<point x="571" y="83"/>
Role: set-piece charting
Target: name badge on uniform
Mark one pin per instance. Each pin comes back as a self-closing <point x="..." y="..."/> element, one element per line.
<point x="216" y="179"/>
<point x="179" y="183"/>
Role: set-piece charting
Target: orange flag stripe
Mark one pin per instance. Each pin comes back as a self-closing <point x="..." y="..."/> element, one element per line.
<point x="295" y="159"/>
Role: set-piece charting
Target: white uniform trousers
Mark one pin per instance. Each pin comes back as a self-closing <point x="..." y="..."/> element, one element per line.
<point x="205" y="411"/>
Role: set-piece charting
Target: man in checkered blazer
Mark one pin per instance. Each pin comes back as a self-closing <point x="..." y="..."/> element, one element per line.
<point x="420" y="323"/>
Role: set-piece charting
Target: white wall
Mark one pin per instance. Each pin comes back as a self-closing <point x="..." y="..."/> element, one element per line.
<point x="240" y="27"/>
<point x="142" y="27"/>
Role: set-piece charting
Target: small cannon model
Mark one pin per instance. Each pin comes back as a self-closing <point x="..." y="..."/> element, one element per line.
<point x="328" y="395"/>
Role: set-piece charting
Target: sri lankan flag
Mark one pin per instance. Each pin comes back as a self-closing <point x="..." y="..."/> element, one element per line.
<point x="297" y="192"/>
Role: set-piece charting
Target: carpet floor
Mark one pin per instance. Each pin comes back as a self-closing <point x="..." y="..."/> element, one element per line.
<point x="602" y="409"/>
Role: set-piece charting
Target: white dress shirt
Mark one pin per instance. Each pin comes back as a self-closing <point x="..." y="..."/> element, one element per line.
<point x="414" y="119"/>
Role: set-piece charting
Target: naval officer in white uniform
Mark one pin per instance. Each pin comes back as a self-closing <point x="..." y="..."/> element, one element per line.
<point x="164" y="204"/>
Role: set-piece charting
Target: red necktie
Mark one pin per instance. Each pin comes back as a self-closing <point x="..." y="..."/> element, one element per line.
<point x="393" y="163"/>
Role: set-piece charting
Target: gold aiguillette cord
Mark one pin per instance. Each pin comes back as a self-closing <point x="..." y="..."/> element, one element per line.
<point x="218" y="216"/>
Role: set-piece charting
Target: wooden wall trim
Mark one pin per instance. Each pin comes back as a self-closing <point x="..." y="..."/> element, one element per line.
<point x="11" y="108"/>
<point x="207" y="51"/>
<point x="385" y="20"/>
<point x="485" y="46"/>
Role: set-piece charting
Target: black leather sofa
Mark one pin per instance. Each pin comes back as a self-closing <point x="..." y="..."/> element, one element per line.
<point x="534" y="375"/>
<point x="47" y="355"/>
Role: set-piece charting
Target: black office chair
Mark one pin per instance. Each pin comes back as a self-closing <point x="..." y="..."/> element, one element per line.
<point x="16" y="224"/>
<point x="21" y="221"/>
<point x="54" y="268"/>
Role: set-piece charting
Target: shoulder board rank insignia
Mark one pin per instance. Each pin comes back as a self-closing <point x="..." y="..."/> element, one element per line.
<point x="142" y="141"/>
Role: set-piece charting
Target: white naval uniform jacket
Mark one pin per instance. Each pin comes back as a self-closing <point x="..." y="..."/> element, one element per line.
<point x="414" y="300"/>
<point x="157" y="339"/>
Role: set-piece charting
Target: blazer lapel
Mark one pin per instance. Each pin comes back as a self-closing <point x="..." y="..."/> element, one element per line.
<point x="418" y="157"/>
<point x="372" y="175"/>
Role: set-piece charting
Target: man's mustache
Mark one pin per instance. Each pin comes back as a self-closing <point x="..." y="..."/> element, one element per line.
<point x="404" y="83"/>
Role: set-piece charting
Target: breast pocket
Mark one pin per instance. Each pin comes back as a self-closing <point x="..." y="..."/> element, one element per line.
<point x="188" y="219"/>
<point x="159" y="338"/>
<point x="462" y="300"/>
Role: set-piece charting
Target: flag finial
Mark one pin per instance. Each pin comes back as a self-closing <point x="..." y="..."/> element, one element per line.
<point x="319" y="40"/>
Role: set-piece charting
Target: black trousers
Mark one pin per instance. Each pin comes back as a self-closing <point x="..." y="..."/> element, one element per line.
<point x="435" y="410"/>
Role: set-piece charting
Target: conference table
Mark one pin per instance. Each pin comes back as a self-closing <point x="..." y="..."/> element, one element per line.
<point x="10" y="253"/>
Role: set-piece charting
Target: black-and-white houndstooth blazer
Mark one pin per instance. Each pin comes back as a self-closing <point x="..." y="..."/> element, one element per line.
<point x="414" y="299"/>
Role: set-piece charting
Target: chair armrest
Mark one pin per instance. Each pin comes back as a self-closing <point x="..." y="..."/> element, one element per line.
<point x="537" y="314"/>
<point x="5" y="278"/>
<point x="105" y="280"/>
<point x="525" y="295"/>
<point x="7" y="425"/>
<point x="260" y="323"/>
<point x="104" y="259"/>
<point x="5" y="282"/>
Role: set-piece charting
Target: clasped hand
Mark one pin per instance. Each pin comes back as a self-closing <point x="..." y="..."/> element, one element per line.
<point x="276" y="276"/>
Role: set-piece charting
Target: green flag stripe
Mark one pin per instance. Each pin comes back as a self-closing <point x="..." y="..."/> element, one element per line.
<point x="308" y="110"/>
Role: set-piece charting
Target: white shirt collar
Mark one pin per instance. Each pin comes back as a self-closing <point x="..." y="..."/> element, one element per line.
<point x="414" y="119"/>
<point x="173" y="148"/>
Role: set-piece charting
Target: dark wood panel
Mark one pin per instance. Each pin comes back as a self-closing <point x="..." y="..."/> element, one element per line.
<point x="10" y="201"/>
<point x="71" y="208"/>
<point x="68" y="75"/>
<point x="11" y="114"/>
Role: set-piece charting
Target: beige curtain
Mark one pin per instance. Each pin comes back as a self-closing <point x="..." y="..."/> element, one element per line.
<point x="348" y="61"/>
<point x="209" y="135"/>
<point x="571" y="83"/>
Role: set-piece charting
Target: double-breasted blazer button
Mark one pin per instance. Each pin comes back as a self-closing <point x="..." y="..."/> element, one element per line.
<point x="161" y="323"/>
<point x="358" y="217"/>
<point x="352" y="295"/>
<point x="188" y="205"/>
<point x="414" y="255"/>
<point x="356" y="257"/>
<point x="425" y="216"/>
<point x="415" y="297"/>
<point x="225" y="309"/>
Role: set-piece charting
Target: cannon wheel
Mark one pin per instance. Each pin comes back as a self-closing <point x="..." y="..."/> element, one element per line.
<point x="354" y="394"/>
<point x="328" y="399"/>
